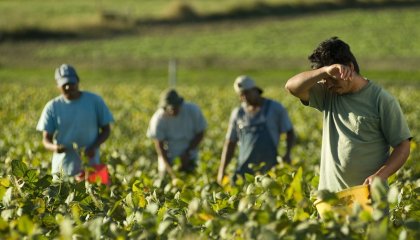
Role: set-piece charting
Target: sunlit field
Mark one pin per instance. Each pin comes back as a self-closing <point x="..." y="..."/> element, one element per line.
<point x="129" y="70"/>
<point x="140" y="205"/>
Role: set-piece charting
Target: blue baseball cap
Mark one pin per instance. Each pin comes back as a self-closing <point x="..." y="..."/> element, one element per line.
<point x="65" y="74"/>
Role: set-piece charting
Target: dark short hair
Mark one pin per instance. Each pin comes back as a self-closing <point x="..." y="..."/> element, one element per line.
<point x="332" y="51"/>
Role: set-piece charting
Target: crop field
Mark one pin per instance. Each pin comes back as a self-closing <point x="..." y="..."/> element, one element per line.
<point x="140" y="205"/>
<point x="129" y="70"/>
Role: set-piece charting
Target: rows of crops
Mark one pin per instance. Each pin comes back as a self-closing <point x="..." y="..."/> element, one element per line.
<point x="140" y="205"/>
<point x="129" y="70"/>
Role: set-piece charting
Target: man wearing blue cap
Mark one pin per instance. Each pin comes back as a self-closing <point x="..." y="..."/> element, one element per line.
<point x="256" y="125"/>
<point x="76" y="120"/>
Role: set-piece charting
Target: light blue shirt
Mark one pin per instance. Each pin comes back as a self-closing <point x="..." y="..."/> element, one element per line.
<point x="74" y="123"/>
<point x="177" y="131"/>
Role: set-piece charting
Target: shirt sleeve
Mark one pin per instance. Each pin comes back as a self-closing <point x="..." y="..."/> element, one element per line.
<point x="156" y="128"/>
<point x="393" y="123"/>
<point x="317" y="95"/>
<point x="232" y="133"/>
<point x="104" y="114"/>
<point x="47" y="120"/>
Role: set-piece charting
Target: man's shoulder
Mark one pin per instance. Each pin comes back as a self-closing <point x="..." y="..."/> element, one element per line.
<point x="57" y="100"/>
<point x="378" y="92"/>
<point x="239" y="110"/>
<point x="91" y="95"/>
<point x="273" y="104"/>
<point x="191" y="106"/>
<point x="93" y="98"/>
<point x="158" y="114"/>
<point x="374" y="87"/>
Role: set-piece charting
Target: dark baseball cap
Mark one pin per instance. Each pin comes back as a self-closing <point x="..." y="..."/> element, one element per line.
<point x="170" y="98"/>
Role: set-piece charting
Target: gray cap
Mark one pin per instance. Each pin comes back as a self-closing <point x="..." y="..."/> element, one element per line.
<point x="65" y="74"/>
<point x="170" y="98"/>
<point x="243" y="83"/>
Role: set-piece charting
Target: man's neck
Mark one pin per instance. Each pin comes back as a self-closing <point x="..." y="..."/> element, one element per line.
<point x="254" y="107"/>
<point x="359" y="83"/>
<point x="73" y="97"/>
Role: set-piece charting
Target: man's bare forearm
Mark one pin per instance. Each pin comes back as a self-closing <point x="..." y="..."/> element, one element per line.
<point x="396" y="160"/>
<point x="300" y="84"/>
<point x="160" y="150"/>
<point x="290" y="141"/>
<point x="47" y="141"/>
<point x="196" y="141"/>
<point x="227" y="154"/>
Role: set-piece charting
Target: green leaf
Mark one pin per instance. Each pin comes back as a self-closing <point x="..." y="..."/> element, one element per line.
<point x="393" y="194"/>
<point x="327" y="196"/>
<point x="300" y="215"/>
<point x="412" y="224"/>
<point x="378" y="190"/>
<point x="187" y="195"/>
<point x="142" y="200"/>
<point x="40" y="237"/>
<point x="249" y="177"/>
<point x="31" y="176"/>
<point x="3" y="224"/>
<point x="7" y="197"/>
<point x="164" y="227"/>
<point x="129" y="201"/>
<point x="19" y="168"/>
<point x="4" y="182"/>
<point x="39" y="205"/>
<point x="417" y="190"/>
<point x="238" y="217"/>
<point x="152" y="208"/>
<point x="69" y="198"/>
<point x="117" y="212"/>
<point x="161" y="212"/>
<point x="379" y="230"/>
<point x="315" y="181"/>
<point x="49" y="221"/>
<point x="263" y="217"/>
<point x="25" y="225"/>
<point x="295" y="189"/>
<point x="250" y="189"/>
<point x="66" y="228"/>
<point x="267" y="182"/>
<point x="2" y="191"/>
<point x="403" y="235"/>
<point x="94" y="227"/>
<point x="45" y="181"/>
<point x="193" y="207"/>
<point x="137" y="186"/>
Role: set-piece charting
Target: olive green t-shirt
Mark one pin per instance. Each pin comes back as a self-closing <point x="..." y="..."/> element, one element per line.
<point x="358" y="131"/>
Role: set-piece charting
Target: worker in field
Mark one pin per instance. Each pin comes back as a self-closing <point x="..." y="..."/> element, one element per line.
<point x="256" y="125"/>
<point x="74" y="124"/>
<point x="176" y="128"/>
<point x="361" y="122"/>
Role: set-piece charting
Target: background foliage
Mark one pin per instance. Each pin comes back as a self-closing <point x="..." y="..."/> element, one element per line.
<point x="121" y="52"/>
